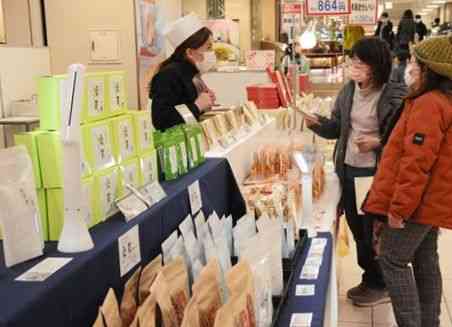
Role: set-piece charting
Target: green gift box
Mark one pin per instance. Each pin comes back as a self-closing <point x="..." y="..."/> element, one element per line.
<point x="193" y="150"/>
<point x="108" y="189"/>
<point x="116" y="92"/>
<point x="29" y="140"/>
<point x="130" y="174"/>
<point x="55" y="207"/>
<point x="50" y="101"/>
<point x="124" y="140"/>
<point x="143" y="130"/>
<point x="149" y="168"/>
<point x="97" y="139"/>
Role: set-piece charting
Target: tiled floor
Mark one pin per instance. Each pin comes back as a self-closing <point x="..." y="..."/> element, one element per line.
<point x="382" y="316"/>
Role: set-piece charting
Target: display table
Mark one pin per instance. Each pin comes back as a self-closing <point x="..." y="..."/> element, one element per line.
<point x="72" y="296"/>
<point x="240" y="155"/>
<point x="310" y="304"/>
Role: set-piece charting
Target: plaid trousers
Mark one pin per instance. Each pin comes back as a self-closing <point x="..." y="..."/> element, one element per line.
<point x="415" y="293"/>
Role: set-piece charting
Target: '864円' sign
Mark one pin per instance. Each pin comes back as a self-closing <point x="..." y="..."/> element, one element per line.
<point x="328" y="7"/>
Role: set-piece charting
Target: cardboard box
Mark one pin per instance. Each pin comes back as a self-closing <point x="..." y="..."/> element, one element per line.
<point x="29" y="140"/>
<point x="130" y="174"/>
<point x="143" y="129"/>
<point x="117" y="92"/>
<point x="107" y="187"/>
<point x="124" y="138"/>
<point x="149" y="172"/>
<point x="55" y="207"/>
<point x="97" y="139"/>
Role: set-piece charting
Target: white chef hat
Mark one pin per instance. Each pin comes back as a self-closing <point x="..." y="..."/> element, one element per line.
<point x="184" y="27"/>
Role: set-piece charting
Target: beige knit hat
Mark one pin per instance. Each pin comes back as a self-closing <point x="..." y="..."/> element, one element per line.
<point x="436" y="54"/>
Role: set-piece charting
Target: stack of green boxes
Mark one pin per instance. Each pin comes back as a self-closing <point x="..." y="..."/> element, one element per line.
<point x="180" y="149"/>
<point x="117" y="148"/>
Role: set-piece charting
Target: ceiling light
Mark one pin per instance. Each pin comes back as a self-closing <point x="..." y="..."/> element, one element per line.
<point x="388" y="5"/>
<point x="439" y="2"/>
<point x="432" y="6"/>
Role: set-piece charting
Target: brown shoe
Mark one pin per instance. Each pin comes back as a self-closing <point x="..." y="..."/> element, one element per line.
<point x="369" y="297"/>
<point x="356" y="291"/>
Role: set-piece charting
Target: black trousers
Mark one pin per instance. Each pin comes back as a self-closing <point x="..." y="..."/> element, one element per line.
<point x="362" y="228"/>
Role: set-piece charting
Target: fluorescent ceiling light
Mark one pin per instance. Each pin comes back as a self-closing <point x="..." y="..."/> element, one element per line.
<point x="439" y="2"/>
<point x="432" y="6"/>
<point x="388" y="5"/>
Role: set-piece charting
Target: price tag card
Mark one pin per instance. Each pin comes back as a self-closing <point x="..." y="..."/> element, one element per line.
<point x="43" y="270"/>
<point x="310" y="272"/>
<point x="328" y="7"/>
<point x="305" y="290"/>
<point x="129" y="250"/>
<point x="194" y="192"/>
<point x="301" y="320"/>
<point x="186" y="114"/>
<point x="314" y="261"/>
<point x="153" y="193"/>
<point x="131" y="206"/>
<point x="364" y="12"/>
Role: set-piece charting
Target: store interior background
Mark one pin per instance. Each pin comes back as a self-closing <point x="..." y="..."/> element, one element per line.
<point x="29" y="52"/>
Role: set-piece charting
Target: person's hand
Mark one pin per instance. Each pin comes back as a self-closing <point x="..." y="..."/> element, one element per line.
<point x="367" y="143"/>
<point x="212" y="96"/>
<point x="204" y="101"/>
<point x="395" y="223"/>
<point x="311" y="121"/>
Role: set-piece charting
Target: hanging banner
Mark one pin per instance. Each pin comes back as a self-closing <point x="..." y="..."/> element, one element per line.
<point x="364" y="12"/>
<point x="327" y="7"/>
<point x="291" y="16"/>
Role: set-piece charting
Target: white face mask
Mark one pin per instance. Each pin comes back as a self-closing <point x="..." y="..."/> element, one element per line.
<point x="209" y="62"/>
<point x="409" y="79"/>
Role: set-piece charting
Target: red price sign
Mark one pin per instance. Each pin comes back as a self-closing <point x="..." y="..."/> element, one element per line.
<point x="328" y="7"/>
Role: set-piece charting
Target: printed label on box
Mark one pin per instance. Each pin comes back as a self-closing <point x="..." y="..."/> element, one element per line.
<point x="146" y="132"/>
<point x="149" y="170"/>
<point x="194" y="150"/>
<point x="108" y="193"/>
<point x="117" y="93"/>
<point x="126" y="139"/>
<point x="101" y="146"/>
<point x="173" y="159"/>
<point x="129" y="250"/>
<point x="96" y="104"/>
<point x="183" y="149"/>
<point x="131" y="175"/>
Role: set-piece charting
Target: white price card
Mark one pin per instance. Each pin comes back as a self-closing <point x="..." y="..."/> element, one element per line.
<point x="305" y="290"/>
<point x="310" y="273"/>
<point x="129" y="250"/>
<point x="364" y="12"/>
<point x="153" y="193"/>
<point x="328" y="7"/>
<point x="43" y="270"/>
<point x="131" y="206"/>
<point x="314" y="261"/>
<point x="301" y="320"/>
<point x="194" y="192"/>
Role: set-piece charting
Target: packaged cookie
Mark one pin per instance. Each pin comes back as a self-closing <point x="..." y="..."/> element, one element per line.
<point x="191" y="314"/>
<point x="148" y="276"/>
<point x="160" y="290"/>
<point x="129" y="303"/>
<point x="110" y="310"/>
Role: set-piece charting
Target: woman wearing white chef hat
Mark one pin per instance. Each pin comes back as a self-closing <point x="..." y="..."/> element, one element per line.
<point x="178" y="81"/>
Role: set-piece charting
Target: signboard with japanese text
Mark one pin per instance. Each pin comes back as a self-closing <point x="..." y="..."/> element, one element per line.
<point x="327" y="7"/>
<point x="364" y="12"/>
<point x="291" y="16"/>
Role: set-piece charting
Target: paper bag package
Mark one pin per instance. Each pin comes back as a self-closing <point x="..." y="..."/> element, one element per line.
<point x="42" y="206"/>
<point x="116" y="92"/>
<point x="129" y="174"/>
<point x="55" y="207"/>
<point x="29" y="140"/>
<point x="142" y="123"/>
<point x="108" y="188"/>
<point x="166" y="146"/>
<point x="149" y="168"/>
<point x="97" y="139"/>
<point x="124" y="140"/>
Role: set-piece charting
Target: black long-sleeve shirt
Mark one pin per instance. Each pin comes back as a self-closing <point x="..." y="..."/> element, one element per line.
<point x="172" y="86"/>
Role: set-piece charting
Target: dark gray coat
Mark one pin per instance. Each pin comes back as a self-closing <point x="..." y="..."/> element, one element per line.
<point x="338" y="127"/>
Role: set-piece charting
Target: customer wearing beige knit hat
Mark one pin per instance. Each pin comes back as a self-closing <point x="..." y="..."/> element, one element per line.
<point x="413" y="188"/>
